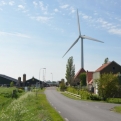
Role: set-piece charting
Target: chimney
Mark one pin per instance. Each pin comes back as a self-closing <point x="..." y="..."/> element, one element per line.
<point x="19" y="81"/>
<point x="24" y="79"/>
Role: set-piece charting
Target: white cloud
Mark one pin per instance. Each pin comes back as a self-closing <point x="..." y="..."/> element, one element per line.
<point x="35" y="3"/>
<point x="43" y="19"/>
<point x="72" y="9"/>
<point x="21" y="7"/>
<point x="64" y="6"/>
<point x="11" y="3"/>
<point x="115" y="31"/>
<point x="85" y="17"/>
<point x="56" y="10"/>
<point x="3" y="3"/>
<point x="14" y="34"/>
<point x="43" y="8"/>
<point x="101" y="23"/>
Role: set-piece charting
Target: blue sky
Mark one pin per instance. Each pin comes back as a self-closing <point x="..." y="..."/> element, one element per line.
<point x="35" y="34"/>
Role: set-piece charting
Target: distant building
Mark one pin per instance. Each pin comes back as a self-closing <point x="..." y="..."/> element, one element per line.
<point x="33" y="82"/>
<point x="6" y="80"/>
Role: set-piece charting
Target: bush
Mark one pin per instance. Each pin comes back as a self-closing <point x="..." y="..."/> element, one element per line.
<point x="84" y="94"/>
<point x="15" y="94"/>
<point x="63" y="86"/>
<point x="114" y="100"/>
<point x="95" y="97"/>
<point x="20" y="90"/>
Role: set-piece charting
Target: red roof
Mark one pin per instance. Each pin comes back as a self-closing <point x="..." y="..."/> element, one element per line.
<point x="79" y="72"/>
<point x="102" y="67"/>
<point x="89" y="77"/>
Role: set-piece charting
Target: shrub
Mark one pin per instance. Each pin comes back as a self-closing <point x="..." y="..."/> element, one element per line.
<point x="15" y="94"/>
<point x="84" y="94"/>
<point x="12" y="84"/>
<point x="20" y="90"/>
<point x="114" y="100"/>
<point x="63" y="86"/>
<point x="95" y="97"/>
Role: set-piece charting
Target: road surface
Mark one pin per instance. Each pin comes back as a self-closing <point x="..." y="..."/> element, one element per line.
<point x="77" y="110"/>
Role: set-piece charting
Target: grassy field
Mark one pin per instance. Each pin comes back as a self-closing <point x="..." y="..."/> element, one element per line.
<point x="31" y="106"/>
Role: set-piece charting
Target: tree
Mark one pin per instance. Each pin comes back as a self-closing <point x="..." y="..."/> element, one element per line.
<point x="106" y="60"/>
<point x="70" y="70"/>
<point x="11" y="84"/>
<point x="62" y="85"/>
<point x="108" y="85"/>
<point x="83" y="79"/>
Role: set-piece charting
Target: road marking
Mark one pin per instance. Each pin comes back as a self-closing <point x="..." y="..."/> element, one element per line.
<point x="66" y="119"/>
<point x="59" y="112"/>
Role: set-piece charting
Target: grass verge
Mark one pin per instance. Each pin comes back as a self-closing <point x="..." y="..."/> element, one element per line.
<point x="117" y="109"/>
<point x="31" y="106"/>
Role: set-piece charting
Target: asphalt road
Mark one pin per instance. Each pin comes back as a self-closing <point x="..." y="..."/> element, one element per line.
<point x="77" y="110"/>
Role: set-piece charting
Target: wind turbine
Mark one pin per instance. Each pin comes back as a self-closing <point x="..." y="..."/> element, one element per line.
<point x="81" y="37"/>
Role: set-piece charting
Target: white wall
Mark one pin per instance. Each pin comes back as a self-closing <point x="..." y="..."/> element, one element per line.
<point x="96" y="75"/>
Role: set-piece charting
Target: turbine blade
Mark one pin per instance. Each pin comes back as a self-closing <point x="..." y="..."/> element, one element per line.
<point x="78" y="23"/>
<point x="72" y="46"/>
<point x="90" y="38"/>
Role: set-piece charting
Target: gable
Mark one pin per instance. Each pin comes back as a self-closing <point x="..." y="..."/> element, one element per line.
<point x="79" y="72"/>
<point x="89" y="77"/>
<point x="111" y="67"/>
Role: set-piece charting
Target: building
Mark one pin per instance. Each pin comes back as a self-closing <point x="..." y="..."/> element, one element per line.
<point x="6" y="80"/>
<point x="32" y="82"/>
<point x="77" y="76"/>
<point x="110" y="67"/>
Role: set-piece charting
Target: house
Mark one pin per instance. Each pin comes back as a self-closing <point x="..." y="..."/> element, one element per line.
<point x="76" y="78"/>
<point x="6" y="80"/>
<point x="110" y="67"/>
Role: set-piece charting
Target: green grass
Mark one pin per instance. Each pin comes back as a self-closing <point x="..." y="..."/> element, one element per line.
<point x="5" y="96"/>
<point x="30" y="107"/>
<point x="117" y="109"/>
<point x="114" y="100"/>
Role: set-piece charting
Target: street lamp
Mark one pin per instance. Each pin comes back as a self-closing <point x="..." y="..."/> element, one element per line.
<point x="40" y="71"/>
<point x="52" y="76"/>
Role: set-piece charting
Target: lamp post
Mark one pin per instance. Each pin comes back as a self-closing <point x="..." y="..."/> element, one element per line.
<point x="52" y="76"/>
<point x="40" y="71"/>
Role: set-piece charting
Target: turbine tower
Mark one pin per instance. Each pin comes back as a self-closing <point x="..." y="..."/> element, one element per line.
<point x="81" y="37"/>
